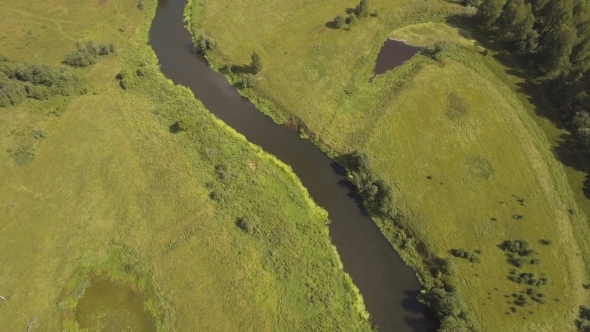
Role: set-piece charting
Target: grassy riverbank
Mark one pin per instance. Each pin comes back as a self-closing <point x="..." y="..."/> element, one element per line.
<point x="457" y="140"/>
<point x="218" y="234"/>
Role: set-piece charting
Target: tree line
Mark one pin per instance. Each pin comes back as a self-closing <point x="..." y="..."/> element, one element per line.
<point x="552" y="37"/>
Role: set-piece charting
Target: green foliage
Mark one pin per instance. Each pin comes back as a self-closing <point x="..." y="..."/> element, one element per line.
<point x="520" y="247"/>
<point x="247" y="225"/>
<point x="248" y="81"/>
<point x="30" y="80"/>
<point x="256" y="63"/>
<point x="88" y="53"/>
<point x="472" y="257"/>
<point x="358" y="162"/>
<point x="205" y="42"/>
<point x="450" y="309"/>
<point x="339" y="21"/>
<point x="141" y="4"/>
<point x="23" y="154"/>
<point x="362" y="9"/>
<point x="12" y="92"/>
<point x="187" y="123"/>
<point x="437" y="51"/>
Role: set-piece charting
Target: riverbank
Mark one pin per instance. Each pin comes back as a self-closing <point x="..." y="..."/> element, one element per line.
<point x="469" y="166"/>
<point x="216" y="233"/>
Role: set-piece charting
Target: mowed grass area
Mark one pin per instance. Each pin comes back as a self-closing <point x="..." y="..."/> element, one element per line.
<point x="110" y="191"/>
<point x="470" y="166"/>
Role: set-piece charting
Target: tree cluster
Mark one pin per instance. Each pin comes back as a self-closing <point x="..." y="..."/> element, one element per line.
<point x="19" y="81"/>
<point x="377" y="194"/>
<point x="88" y="53"/>
<point x="472" y="257"/>
<point x="553" y="37"/>
<point x="450" y="309"/>
<point x="361" y="10"/>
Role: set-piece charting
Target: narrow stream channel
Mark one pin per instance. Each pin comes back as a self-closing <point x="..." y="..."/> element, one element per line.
<point x="389" y="287"/>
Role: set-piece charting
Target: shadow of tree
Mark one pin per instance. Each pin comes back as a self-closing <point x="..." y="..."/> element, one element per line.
<point x="427" y="321"/>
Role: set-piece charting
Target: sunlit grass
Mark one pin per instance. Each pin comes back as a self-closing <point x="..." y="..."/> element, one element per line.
<point x="463" y="149"/>
<point x="111" y="191"/>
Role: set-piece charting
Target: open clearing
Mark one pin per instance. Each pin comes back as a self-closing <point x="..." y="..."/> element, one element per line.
<point x="109" y="190"/>
<point x="470" y="164"/>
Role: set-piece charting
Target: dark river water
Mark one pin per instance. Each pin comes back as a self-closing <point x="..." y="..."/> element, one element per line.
<point x="388" y="285"/>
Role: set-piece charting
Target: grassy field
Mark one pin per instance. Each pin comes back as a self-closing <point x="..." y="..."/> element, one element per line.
<point x="458" y="140"/>
<point x="108" y="190"/>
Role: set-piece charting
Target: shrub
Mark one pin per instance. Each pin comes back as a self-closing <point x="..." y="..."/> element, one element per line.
<point x="87" y="54"/>
<point x="362" y="9"/>
<point x="519" y="247"/>
<point x="437" y="51"/>
<point x="186" y="123"/>
<point x="141" y="4"/>
<point x="339" y="21"/>
<point x="205" y="43"/>
<point x="452" y="312"/>
<point x="248" y="81"/>
<point x="256" y="63"/>
<point x="247" y="225"/>
<point x="358" y="161"/>
<point x="352" y="20"/>
<point x="12" y="92"/>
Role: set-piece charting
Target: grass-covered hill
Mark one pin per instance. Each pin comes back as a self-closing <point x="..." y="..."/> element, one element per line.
<point x="482" y="205"/>
<point x="216" y="234"/>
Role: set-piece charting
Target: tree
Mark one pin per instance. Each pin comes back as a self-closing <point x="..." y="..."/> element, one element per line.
<point x="362" y="9"/>
<point x="205" y="43"/>
<point x="256" y="63"/>
<point x="489" y="11"/>
<point x="339" y="21"/>
<point x="516" y="26"/>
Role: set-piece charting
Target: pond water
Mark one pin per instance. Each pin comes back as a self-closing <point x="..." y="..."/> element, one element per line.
<point x="107" y="306"/>
<point x="393" y="53"/>
<point x="389" y="287"/>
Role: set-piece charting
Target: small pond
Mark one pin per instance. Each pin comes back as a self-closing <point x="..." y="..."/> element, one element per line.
<point x="108" y="306"/>
<point x="393" y="53"/>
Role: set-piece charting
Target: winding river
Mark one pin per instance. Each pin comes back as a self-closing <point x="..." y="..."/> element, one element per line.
<point x="389" y="287"/>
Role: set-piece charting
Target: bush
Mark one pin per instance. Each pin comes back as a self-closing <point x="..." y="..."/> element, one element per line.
<point x="362" y="9"/>
<point x="519" y="247"/>
<point x="12" y="92"/>
<point x="141" y="4"/>
<point x="449" y="309"/>
<point x="256" y="63"/>
<point x="247" y="225"/>
<point x="88" y="53"/>
<point x="437" y="51"/>
<point x="339" y="21"/>
<point x="352" y="20"/>
<point x="186" y="123"/>
<point x="248" y="81"/>
<point x="205" y="43"/>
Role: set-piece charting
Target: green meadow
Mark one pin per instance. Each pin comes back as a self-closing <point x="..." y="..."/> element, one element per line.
<point x="470" y="160"/>
<point x="214" y="233"/>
